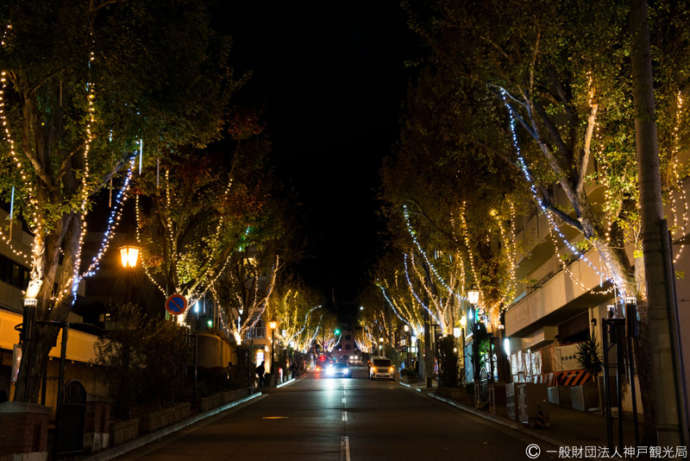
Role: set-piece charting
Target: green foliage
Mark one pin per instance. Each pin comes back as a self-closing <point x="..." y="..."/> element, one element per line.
<point x="588" y="355"/>
<point x="448" y="361"/>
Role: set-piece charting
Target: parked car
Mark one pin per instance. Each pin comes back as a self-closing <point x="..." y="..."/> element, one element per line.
<point x="381" y="367"/>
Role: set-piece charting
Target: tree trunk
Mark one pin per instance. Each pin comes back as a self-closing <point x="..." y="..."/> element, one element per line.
<point x="34" y="357"/>
<point x="664" y="360"/>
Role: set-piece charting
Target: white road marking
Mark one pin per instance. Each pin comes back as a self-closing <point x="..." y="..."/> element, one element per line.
<point x="344" y="416"/>
<point x="345" y="448"/>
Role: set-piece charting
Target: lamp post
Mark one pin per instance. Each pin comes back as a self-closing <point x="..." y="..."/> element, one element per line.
<point x="473" y="298"/>
<point x="273" y="326"/>
<point x="406" y="328"/>
<point x="129" y="257"/>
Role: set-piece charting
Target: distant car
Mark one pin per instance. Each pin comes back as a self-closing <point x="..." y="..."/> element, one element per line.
<point x="338" y="370"/>
<point x="381" y="367"/>
<point x="355" y="360"/>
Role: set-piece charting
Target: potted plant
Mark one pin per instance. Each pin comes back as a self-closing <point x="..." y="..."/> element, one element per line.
<point x="586" y="395"/>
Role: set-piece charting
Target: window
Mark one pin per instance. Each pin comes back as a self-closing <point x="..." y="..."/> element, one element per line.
<point x="13" y="273"/>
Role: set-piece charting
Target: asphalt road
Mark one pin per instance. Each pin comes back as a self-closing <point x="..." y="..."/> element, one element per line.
<point x="354" y="419"/>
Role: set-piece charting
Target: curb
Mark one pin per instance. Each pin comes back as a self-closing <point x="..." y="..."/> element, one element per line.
<point x="120" y="450"/>
<point x="494" y="419"/>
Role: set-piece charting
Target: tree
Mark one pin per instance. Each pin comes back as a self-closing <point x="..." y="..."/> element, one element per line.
<point x="201" y="213"/>
<point x="82" y="84"/>
<point x="569" y="119"/>
<point x="295" y="310"/>
<point x="242" y="293"/>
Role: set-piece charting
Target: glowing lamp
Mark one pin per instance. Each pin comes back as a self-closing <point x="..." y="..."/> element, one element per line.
<point x="456" y="332"/>
<point x="463" y="321"/>
<point x="273" y="325"/>
<point x="473" y="296"/>
<point x="406" y="328"/>
<point x="129" y="256"/>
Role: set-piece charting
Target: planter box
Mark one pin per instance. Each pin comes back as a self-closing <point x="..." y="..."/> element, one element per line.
<point x="182" y="411"/>
<point x="124" y="431"/>
<point x="210" y="402"/>
<point x="157" y="419"/>
<point x="565" y="397"/>
<point x="584" y="397"/>
<point x="552" y="394"/>
<point x="532" y="404"/>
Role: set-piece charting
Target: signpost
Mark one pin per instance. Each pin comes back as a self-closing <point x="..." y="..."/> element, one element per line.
<point x="176" y="304"/>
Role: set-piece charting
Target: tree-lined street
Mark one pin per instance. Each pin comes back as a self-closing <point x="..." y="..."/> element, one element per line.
<point x="202" y="200"/>
<point x="323" y="418"/>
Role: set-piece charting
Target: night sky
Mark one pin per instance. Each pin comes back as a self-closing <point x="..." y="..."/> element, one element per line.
<point x="330" y="79"/>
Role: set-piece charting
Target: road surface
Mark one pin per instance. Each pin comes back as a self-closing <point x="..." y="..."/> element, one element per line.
<point x="353" y="419"/>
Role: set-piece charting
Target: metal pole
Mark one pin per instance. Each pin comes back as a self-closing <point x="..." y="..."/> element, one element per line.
<point x="620" y="370"/>
<point x="61" y="389"/>
<point x="196" y="366"/>
<point x="464" y="365"/>
<point x="607" y="397"/>
<point x="631" y="312"/>
<point x="273" y="342"/>
<point x="27" y="333"/>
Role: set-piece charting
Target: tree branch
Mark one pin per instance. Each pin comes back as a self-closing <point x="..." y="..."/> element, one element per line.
<point x="586" y="150"/>
<point x="553" y="131"/>
<point x="565" y="217"/>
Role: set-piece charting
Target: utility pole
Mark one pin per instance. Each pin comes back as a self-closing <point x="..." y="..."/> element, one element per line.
<point x="428" y="365"/>
<point x="666" y="367"/>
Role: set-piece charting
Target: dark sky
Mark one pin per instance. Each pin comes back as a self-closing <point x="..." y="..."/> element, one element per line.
<point x="330" y="78"/>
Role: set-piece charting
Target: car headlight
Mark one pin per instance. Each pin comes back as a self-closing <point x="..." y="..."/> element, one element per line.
<point x="346" y="371"/>
<point x="373" y="369"/>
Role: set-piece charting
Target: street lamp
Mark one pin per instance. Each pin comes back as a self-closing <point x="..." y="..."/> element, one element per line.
<point x="473" y="298"/>
<point x="272" y="325"/>
<point x="463" y="324"/>
<point x="129" y="256"/>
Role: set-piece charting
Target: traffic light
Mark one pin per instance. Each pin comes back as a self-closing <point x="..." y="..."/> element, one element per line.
<point x="337" y="331"/>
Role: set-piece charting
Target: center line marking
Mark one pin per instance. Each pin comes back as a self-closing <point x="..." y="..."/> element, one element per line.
<point x="344" y="416"/>
<point x="345" y="448"/>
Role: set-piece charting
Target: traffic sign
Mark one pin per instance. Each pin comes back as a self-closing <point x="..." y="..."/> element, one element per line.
<point x="176" y="304"/>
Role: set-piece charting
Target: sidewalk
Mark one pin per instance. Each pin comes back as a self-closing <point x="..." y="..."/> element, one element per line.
<point x="568" y="427"/>
<point x="120" y="450"/>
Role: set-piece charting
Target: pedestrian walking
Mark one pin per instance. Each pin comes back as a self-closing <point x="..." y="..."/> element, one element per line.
<point x="260" y="370"/>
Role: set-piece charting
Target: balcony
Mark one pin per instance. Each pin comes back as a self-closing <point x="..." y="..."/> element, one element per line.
<point x="557" y="298"/>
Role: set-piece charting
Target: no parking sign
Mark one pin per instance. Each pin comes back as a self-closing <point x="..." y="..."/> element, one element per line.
<point x="176" y="304"/>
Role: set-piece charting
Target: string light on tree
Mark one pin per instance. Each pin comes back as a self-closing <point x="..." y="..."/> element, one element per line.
<point x="413" y="235"/>
<point x="547" y="213"/>
<point x="112" y="223"/>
